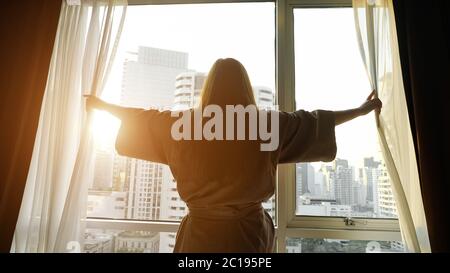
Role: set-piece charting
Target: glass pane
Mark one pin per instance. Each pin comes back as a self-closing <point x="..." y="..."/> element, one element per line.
<point x="308" y="245"/>
<point x="163" y="57"/>
<point x="123" y="241"/>
<point x="329" y="74"/>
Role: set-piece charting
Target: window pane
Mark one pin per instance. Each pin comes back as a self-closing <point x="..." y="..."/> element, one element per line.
<point x="123" y="241"/>
<point x="329" y="74"/>
<point x="162" y="61"/>
<point x="307" y="245"/>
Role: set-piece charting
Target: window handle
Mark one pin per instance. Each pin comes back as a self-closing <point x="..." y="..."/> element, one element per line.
<point x="352" y="222"/>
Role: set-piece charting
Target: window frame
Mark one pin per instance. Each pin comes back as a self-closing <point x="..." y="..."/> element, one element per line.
<point x="288" y="224"/>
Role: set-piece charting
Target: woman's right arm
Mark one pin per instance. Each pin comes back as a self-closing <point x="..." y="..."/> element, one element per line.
<point x="93" y="102"/>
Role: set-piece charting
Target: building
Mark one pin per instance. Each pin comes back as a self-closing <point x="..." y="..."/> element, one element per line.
<point x="136" y="242"/>
<point x="343" y="182"/>
<point x="106" y="204"/>
<point x="386" y="202"/>
<point x="96" y="241"/>
<point x="305" y="179"/>
<point x="144" y="194"/>
<point x="387" y="207"/>
<point x="322" y="207"/>
<point x="293" y="245"/>
<point x="328" y="189"/>
<point x="188" y="86"/>
<point x="149" y="76"/>
<point x="370" y="179"/>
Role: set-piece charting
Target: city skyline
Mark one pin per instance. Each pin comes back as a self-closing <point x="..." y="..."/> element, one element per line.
<point x="340" y="189"/>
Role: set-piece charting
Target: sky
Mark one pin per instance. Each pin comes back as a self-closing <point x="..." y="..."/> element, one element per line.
<point x="329" y="71"/>
<point x="330" y="75"/>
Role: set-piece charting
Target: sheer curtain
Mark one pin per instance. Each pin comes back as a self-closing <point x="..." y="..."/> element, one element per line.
<point x="376" y="31"/>
<point x="53" y="206"/>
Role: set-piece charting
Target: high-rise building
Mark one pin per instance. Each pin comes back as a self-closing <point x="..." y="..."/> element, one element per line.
<point x="188" y="86"/>
<point x="305" y="179"/>
<point x="329" y="181"/>
<point x="362" y="196"/>
<point x="370" y="180"/>
<point x="319" y="184"/>
<point x="359" y="193"/>
<point x="386" y="202"/>
<point x="149" y="77"/>
<point x="386" y="205"/>
<point x="144" y="194"/>
<point x="343" y="182"/>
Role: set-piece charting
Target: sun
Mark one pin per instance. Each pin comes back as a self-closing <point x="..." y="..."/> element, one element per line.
<point x="104" y="129"/>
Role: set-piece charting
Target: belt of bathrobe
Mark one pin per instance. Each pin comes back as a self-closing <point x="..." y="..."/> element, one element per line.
<point x="224" y="213"/>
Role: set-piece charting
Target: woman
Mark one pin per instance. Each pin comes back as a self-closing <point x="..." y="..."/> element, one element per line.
<point x="224" y="182"/>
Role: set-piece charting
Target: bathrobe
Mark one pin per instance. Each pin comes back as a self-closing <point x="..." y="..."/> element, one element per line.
<point x="224" y="182"/>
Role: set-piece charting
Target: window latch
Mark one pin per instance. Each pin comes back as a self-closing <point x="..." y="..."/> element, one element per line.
<point x="349" y="221"/>
<point x="352" y="222"/>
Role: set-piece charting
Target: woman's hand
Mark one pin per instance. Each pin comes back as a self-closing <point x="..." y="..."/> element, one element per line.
<point x="93" y="102"/>
<point x="370" y="105"/>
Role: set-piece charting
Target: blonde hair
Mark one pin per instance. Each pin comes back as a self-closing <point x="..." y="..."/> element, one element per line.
<point x="227" y="83"/>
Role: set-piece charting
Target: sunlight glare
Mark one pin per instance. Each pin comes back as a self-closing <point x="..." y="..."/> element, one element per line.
<point x="104" y="129"/>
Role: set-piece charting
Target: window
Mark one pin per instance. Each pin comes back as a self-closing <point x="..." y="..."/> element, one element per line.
<point x="328" y="65"/>
<point x="153" y="68"/>
<point x="301" y="73"/>
<point x="317" y="58"/>
<point x="165" y="67"/>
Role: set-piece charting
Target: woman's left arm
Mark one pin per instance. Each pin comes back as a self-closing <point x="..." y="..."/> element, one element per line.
<point x="368" y="106"/>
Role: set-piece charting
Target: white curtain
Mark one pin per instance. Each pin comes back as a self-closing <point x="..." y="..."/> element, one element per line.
<point x="54" y="203"/>
<point x="377" y="35"/>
